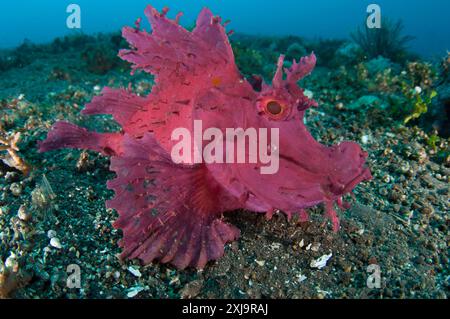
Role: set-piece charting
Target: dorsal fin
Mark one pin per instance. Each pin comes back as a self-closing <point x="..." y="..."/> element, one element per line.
<point x="210" y="29"/>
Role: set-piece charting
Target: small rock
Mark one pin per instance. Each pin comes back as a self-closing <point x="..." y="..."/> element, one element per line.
<point x="23" y="214"/>
<point x="309" y="94"/>
<point x="427" y="210"/>
<point x="366" y="101"/>
<point x="192" y="289"/>
<point x="302" y="243"/>
<point x="339" y="106"/>
<point x="16" y="189"/>
<point x="365" y="139"/>
<point x="11" y="176"/>
<point x="133" y="292"/>
<point x="260" y="263"/>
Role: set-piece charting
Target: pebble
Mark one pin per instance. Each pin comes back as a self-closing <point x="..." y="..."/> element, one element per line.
<point x="133" y="292"/>
<point x="418" y="89"/>
<point x="260" y="263"/>
<point x="301" y="278"/>
<point x="309" y="94"/>
<point x="51" y="234"/>
<point x="55" y="243"/>
<point x="387" y="178"/>
<point x="192" y="289"/>
<point x="11" y="262"/>
<point x="15" y="189"/>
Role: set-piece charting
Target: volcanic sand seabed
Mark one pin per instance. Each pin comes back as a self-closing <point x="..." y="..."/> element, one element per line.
<point x="270" y="260"/>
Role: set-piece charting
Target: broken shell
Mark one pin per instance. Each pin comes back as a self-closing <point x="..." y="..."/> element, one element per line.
<point x="320" y="262"/>
<point x="55" y="243"/>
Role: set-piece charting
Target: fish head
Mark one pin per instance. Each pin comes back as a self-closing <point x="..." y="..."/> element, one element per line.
<point x="306" y="171"/>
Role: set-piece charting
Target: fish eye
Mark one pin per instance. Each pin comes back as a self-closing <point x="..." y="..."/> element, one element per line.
<point x="274" y="108"/>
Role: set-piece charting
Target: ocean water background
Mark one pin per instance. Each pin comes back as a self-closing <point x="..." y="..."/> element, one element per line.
<point x="42" y="20"/>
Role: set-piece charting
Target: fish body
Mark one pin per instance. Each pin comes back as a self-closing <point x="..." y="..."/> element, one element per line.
<point x="172" y="211"/>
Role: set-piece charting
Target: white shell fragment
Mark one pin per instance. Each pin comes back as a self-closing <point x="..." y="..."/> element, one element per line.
<point x="135" y="272"/>
<point x="133" y="292"/>
<point x="320" y="262"/>
<point x="301" y="278"/>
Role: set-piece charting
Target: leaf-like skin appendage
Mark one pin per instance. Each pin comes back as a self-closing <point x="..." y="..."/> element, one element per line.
<point x="168" y="212"/>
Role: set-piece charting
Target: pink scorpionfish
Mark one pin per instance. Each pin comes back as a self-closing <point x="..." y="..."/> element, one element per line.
<point x="171" y="211"/>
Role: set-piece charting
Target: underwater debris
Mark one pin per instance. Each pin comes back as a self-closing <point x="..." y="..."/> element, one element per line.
<point x="10" y="156"/>
<point x="386" y="41"/>
<point x="172" y="212"/>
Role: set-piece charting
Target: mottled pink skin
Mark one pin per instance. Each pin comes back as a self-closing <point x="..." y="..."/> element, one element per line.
<point x="173" y="212"/>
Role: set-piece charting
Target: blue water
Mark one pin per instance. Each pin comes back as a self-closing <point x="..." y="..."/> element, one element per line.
<point x="42" y="20"/>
